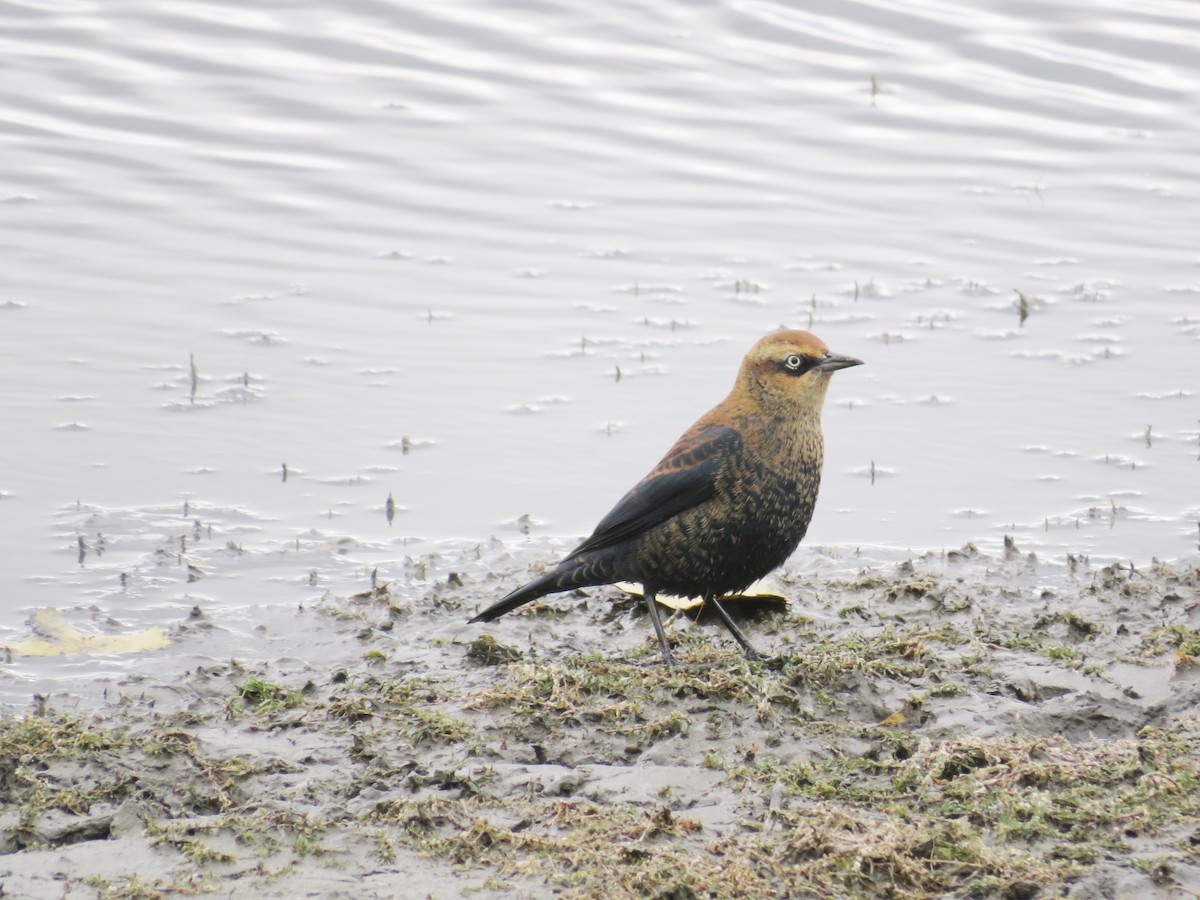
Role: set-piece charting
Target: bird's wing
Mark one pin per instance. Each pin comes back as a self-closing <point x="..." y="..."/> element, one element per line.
<point x="685" y="478"/>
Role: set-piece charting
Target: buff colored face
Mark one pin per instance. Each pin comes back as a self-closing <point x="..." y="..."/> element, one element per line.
<point x="795" y="364"/>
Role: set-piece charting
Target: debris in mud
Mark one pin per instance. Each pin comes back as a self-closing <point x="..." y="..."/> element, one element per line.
<point x="989" y="727"/>
<point x="765" y="590"/>
<point x="58" y="637"/>
<point x="489" y="651"/>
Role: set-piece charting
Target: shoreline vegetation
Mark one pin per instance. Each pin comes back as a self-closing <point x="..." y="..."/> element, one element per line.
<point x="953" y="725"/>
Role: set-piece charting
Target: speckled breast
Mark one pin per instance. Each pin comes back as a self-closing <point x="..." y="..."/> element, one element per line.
<point x="758" y="516"/>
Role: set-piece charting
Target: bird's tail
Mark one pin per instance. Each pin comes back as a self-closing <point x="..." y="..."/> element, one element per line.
<point x="566" y="577"/>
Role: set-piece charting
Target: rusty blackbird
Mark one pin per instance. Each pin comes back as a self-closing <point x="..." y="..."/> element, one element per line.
<point x="727" y="504"/>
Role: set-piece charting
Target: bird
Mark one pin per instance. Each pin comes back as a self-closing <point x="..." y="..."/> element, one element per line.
<point x="728" y="503"/>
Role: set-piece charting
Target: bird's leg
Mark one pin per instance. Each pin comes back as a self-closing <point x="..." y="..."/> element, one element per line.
<point x="648" y="594"/>
<point x="751" y="653"/>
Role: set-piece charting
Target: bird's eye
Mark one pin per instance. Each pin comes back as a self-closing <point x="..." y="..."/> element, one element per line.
<point x="793" y="361"/>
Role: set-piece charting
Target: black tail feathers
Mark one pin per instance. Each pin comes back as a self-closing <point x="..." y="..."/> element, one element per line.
<point x="567" y="576"/>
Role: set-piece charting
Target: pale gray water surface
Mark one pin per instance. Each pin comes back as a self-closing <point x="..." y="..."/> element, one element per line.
<point x="409" y="247"/>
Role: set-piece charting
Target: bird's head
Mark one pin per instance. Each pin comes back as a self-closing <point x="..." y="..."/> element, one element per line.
<point x="791" y="369"/>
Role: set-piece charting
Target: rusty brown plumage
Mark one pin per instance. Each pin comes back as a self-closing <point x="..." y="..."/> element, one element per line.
<point x="728" y="503"/>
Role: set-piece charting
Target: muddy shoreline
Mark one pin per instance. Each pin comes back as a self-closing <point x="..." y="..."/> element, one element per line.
<point x="958" y="724"/>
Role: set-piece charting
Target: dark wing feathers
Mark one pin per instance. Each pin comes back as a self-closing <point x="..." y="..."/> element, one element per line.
<point x="686" y="477"/>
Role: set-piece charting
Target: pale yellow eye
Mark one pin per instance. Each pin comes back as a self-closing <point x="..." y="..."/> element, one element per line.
<point x="793" y="361"/>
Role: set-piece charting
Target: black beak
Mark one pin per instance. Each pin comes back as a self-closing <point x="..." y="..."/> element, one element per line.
<point x="831" y="362"/>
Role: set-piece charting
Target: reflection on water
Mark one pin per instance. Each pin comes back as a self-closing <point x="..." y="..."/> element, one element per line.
<point x="492" y="261"/>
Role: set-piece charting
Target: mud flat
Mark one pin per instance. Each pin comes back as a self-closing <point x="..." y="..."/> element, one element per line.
<point x="958" y="724"/>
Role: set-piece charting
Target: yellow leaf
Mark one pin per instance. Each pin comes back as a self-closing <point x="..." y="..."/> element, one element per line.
<point x="896" y="718"/>
<point x="763" y="590"/>
<point x="59" y="637"/>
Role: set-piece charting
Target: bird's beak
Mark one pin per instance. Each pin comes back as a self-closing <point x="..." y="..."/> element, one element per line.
<point x="831" y="362"/>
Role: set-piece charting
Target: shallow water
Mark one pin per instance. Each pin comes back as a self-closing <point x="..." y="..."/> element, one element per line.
<point x="408" y="249"/>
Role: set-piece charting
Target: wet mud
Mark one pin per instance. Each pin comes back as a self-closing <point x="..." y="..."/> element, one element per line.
<point x="956" y="724"/>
